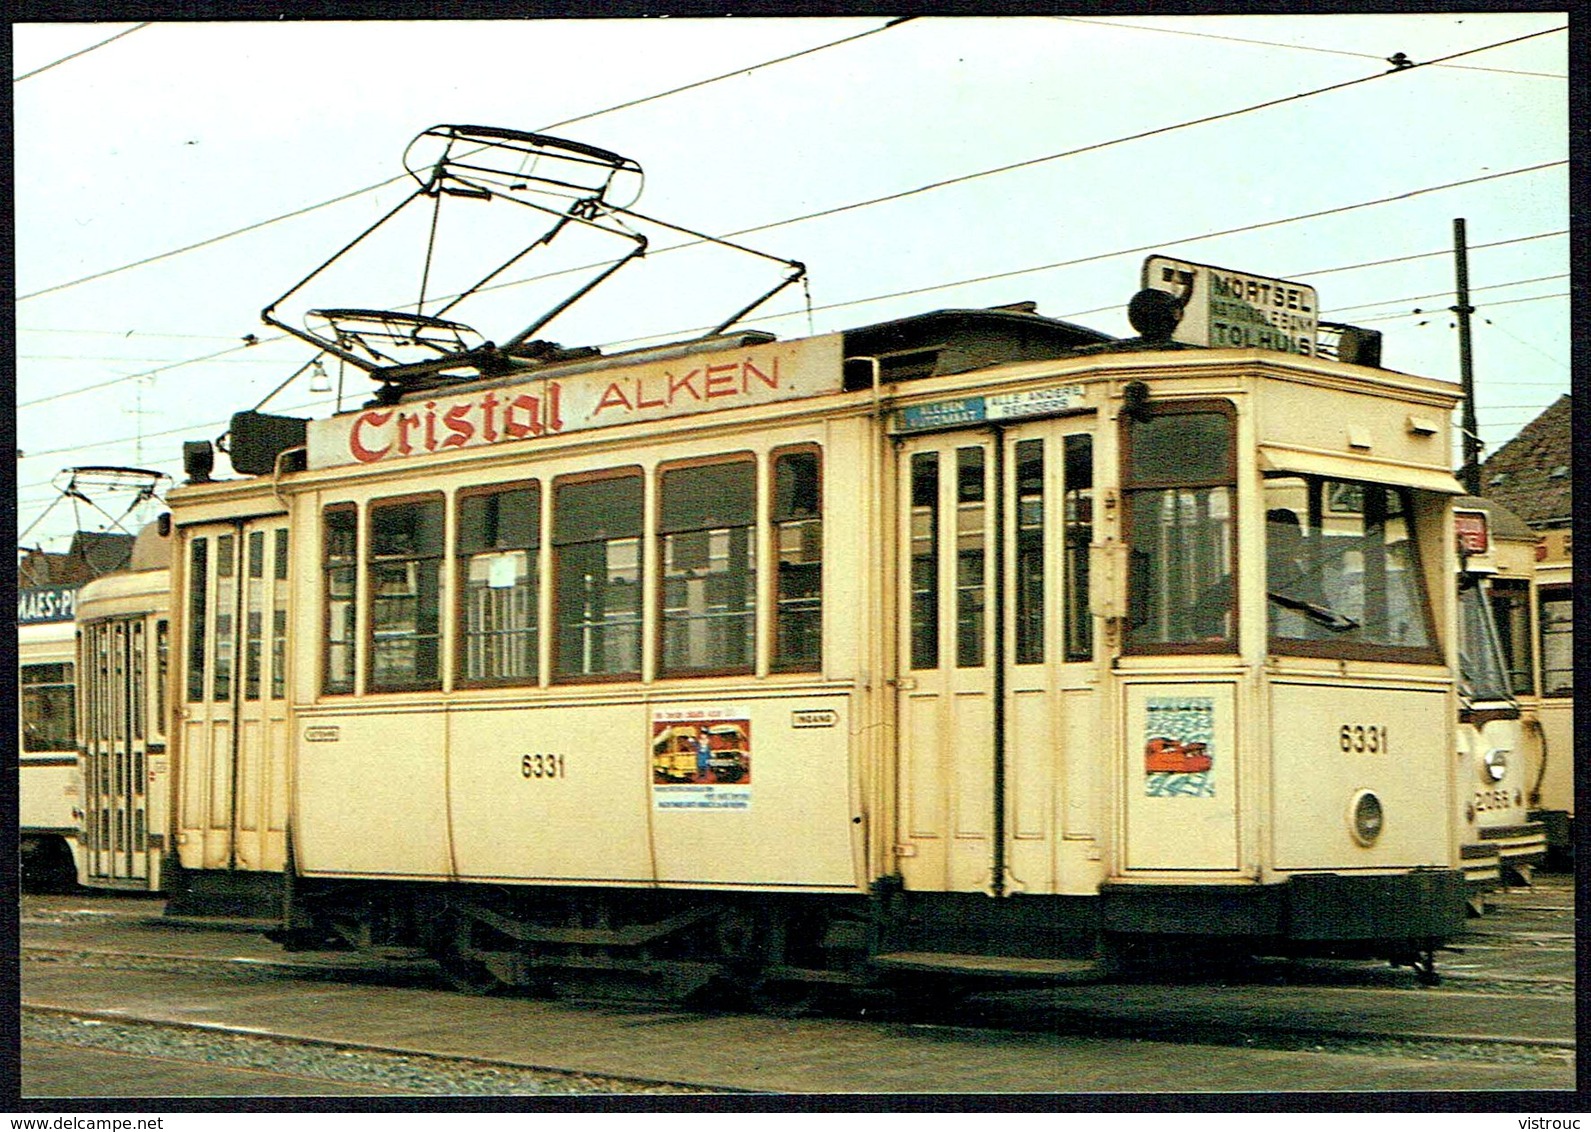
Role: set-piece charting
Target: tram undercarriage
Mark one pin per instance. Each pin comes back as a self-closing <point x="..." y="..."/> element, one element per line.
<point x="771" y="950"/>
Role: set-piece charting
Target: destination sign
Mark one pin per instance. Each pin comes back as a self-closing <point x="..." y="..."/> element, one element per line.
<point x="1227" y="308"/>
<point x="39" y="605"/>
<point x="536" y="408"/>
<point x="960" y="412"/>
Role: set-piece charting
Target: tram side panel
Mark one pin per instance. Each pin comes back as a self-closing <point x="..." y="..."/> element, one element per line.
<point x="689" y="783"/>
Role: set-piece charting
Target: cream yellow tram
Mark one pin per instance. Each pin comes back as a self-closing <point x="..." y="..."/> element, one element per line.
<point x="123" y="664"/>
<point x="1030" y="645"/>
<point x="1501" y="842"/>
<point x="179" y="794"/>
<point x="1532" y="600"/>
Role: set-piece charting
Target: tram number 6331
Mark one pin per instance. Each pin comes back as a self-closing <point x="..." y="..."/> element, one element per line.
<point x="542" y="766"/>
<point x="1358" y="738"/>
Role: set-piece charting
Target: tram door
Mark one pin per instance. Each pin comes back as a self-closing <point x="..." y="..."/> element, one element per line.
<point x="232" y="795"/>
<point x="116" y="750"/>
<point x="995" y="657"/>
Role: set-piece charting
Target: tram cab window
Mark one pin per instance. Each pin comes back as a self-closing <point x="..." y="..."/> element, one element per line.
<point x="707" y="556"/>
<point x="1482" y="677"/>
<point x="1510" y="598"/>
<point x="1343" y="577"/>
<point x="499" y="535"/>
<point x="1179" y="487"/>
<point x="1557" y="641"/>
<point x="797" y="516"/>
<point x="48" y="707"/>
<point x="597" y="528"/>
<point x="340" y="525"/>
<point x="405" y="582"/>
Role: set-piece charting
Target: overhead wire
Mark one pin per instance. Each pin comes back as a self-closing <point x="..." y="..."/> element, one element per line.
<point x="79" y="54"/>
<point x="738" y="71"/>
<point x="1030" y="162"/>
<point x="855" y="204"/>
<point x="1159" y="244"/>
<point x="967" y="177"/>
<point x="1295" y="46"/>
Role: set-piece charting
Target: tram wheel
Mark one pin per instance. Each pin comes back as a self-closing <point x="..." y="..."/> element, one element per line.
<point x="455" y="957"/>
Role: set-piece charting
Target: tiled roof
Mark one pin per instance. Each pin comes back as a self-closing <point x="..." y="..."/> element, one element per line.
<point x="1532" y="474"/>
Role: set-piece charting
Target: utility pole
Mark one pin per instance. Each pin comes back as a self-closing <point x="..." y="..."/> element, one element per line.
<point x="1471" y="470"/>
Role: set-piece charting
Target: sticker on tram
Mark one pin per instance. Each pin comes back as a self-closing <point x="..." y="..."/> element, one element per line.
<point x="701" y="760"/>
<point x="1179" y="747"/>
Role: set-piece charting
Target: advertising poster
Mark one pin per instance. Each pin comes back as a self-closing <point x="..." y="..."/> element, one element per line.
<point x="701" y="759"/>
<point x="1179" y="747"/>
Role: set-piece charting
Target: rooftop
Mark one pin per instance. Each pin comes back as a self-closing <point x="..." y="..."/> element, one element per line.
<point x="1532" y="475"/>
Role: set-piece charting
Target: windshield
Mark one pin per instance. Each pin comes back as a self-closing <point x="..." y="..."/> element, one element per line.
<point x="1342" y="572"/>
<point x="1480" y="660"/>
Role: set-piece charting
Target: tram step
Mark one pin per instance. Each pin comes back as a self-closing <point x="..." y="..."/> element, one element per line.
<point x="990" y="966"/>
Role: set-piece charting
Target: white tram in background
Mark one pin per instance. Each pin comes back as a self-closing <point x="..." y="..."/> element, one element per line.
<point x="47" y="775"/>
<point x="970" y="643"/>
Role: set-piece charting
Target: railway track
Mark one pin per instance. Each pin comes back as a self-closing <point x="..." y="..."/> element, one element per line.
<point x="104" y="980"/>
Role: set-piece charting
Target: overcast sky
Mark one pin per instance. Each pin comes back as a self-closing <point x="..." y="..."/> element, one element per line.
<point x="175" y="134"/>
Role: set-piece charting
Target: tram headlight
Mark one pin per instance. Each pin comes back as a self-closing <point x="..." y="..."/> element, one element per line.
<point x="1494" y="763"/>
<point x="1365" y="818"/>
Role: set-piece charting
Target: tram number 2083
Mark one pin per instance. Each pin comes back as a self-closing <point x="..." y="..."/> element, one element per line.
<point x="1361" y="739"/>
<point x="542" y="766"/>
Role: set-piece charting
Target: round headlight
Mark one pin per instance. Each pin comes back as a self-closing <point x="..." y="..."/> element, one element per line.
<point x="1495" y="762"/>
<point x="1365" y="818"/>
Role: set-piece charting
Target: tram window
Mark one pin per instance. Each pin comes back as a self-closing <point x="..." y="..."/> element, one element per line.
<point x="1482" y="676"/>
<point x="925" y="560"/>
<point x="198" y="609"/>
<point x="48" y="706"/>
<point x="1030" y="552"/>
<point x="1510" y="599"/>
<point x="1343" y="578"/>
<point x="1179" y="497"/>
<point x="970" y="556"/>
<point x="341" y="547"/>
<point x="707" y="554"/>
<point x="279" y="618"/>
<point x="137" y="668"/>
<point x="797" y="517"/>
<point x="1078" y="504"/>
<point x="597" y="567"/>
<point x="499" y="534"/>
<point x="225" y="602"/>
<point x="404" y="581"/>
<point x="254" y="616"/>
<point x="1557" y="641"/>
<point x="162" y="666"/>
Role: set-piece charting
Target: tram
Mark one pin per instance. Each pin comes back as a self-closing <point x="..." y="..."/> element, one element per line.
<point x="1532" y="601"/>
<point x="158" y="814"/>
<point x="47" y="776"/>
<point x="1502" y="844"/>
<point x="123" y="659"/>
<point x="952" y="586"/>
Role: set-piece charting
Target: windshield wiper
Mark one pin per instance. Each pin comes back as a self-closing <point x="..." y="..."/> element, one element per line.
<point x="1330" y="618"/>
